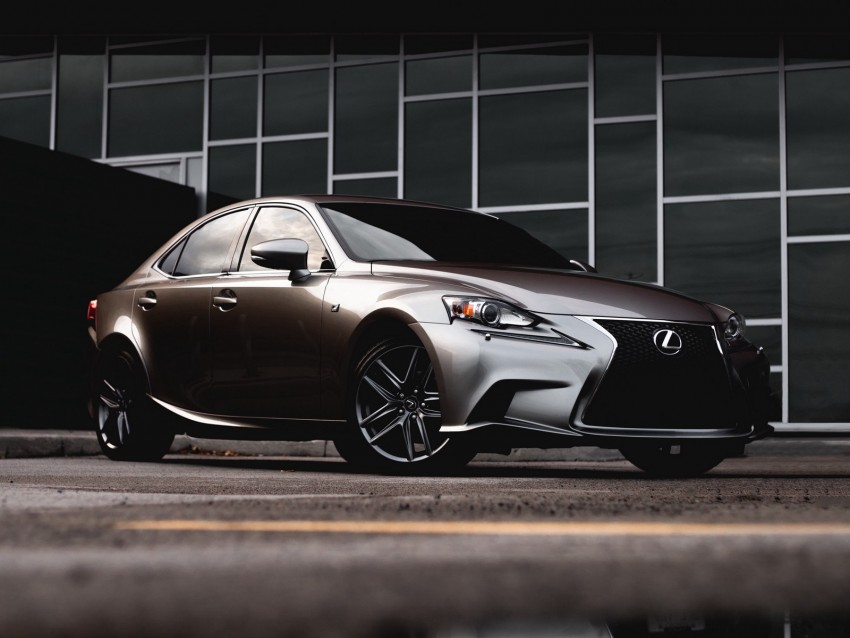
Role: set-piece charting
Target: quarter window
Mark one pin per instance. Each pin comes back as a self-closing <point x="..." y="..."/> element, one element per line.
<point x="207" y="248"/>
<point x="284" y="223"/>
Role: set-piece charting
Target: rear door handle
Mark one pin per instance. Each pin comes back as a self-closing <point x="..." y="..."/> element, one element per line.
<point x="224" y="300"/>
<point x="147" y="300"/>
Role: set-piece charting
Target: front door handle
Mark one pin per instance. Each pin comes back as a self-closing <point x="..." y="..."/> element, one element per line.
<point x="147" y="300"/>
<point x="225" y="300"/>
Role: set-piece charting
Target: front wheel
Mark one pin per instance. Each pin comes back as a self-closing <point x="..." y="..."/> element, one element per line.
<point x="673" y="460"/>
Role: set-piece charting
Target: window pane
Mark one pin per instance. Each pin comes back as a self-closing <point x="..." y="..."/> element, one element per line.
<point x="26" y="75"/>
<point x="530" y="67"/>
<point x="364" y="47"/>
<point x="624" y="74"/>
<point x="414" y="44"/>
<point x="232" y="170"/>
<point x="438" y="152"/>
<point x="169" y="171"/>
<point x="819" y="332"/>
<point x="157" y="61"/>
<point x="725" y="252"/>
<point x="366" y="128"/>
<point x="809" y="48"/>
<point x="295" y="167"/>
<point x="769" y="338"/>
<point x="693" y="52"/>
<point x="626" y="201"/>
<point x="563" y="230"/>
<point x="167" y="118"/>
<point x="721" y="135"/>
<point x="533" y="160"/>
<point x="282" y="223"/>
<point x="234" y="53"/>
<point x="438" y="75"/>
<point x="818" y="125"/>
<point x="26" y="119"/>
<point x="207" y="248"/>
<point x="79" y="126"/>
<point x="233" y="108"/>
<point x="296" y="50"/>
<point x="824" y="215"/>
<point x="375" y="187"/>
<point x="296" y="103"/>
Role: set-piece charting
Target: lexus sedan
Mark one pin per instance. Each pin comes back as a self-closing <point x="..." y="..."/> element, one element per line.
<point x="413" y="336"/>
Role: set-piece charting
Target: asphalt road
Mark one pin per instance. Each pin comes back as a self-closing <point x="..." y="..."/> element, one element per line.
<point x="206" y="545"/>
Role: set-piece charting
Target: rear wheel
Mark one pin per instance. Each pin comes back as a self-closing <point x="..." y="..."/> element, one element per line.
<point x="129" y="426"/>
<point x="674" y="460"/>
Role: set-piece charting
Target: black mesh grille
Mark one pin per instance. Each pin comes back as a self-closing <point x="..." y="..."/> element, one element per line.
<point x="645" y="388"/>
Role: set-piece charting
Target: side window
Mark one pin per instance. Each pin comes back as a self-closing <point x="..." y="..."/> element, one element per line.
<point x="206" y="248"/>
<point x="284" y="223"/>
<point x="167" y="263"/>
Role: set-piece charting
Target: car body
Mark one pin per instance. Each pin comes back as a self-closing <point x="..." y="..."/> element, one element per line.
<point x="414" y="336"/>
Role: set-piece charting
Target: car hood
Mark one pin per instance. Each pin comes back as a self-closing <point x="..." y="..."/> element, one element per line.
<point x="557" y="291"/>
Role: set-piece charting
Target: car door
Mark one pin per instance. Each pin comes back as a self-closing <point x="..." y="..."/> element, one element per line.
<point x="265" y="329"/>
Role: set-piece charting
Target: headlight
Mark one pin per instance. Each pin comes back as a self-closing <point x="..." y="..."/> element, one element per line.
<point x="734" y="327"/>
<point x="490" y="312"/>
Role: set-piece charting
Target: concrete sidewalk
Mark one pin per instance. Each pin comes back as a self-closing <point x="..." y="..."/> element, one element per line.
<point x="28" y="443"/>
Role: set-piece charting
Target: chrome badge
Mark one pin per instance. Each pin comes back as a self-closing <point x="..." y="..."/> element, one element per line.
<point x="667" y="341"/>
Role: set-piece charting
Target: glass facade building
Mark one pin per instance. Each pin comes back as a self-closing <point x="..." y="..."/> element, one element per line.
<point x="717" y="164"/>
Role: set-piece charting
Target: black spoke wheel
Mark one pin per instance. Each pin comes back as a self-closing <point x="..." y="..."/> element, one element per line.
<point x="127" y="423"/>
<point x="394" y="413"/>
<point x="674" y="460"/>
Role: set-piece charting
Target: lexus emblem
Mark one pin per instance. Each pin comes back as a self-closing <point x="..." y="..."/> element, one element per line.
<point x="667" y="341"/>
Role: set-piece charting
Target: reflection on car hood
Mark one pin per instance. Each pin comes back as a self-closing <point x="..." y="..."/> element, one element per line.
<point x="558" y="291"/>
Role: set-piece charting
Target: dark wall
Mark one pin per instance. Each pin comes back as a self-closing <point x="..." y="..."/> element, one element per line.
<point x="71" y="228"/>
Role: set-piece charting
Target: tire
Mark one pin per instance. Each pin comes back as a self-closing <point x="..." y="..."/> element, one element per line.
<point x="128" y="424"/>
<point x="394" y="414"/>
<point x="668" y="460"/>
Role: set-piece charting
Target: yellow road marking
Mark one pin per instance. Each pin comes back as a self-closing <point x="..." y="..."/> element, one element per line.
<point x="494" y="528"/>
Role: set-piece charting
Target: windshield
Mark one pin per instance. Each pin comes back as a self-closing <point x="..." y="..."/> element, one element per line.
<point x="398" y="232"/>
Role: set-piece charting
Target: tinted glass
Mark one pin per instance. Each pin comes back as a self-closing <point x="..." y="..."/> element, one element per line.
<point x="157" y="61"/>
<point x="295" y="167"/>
<point x="366" y="128"/>
<point x="282" y="223"/>
<point x="167" y="264"/>
<point x="824" y="215"/>
<point x="809" y="48"/>
<point x="563" y="230"/>
<point x="26" y="75"/>
<point x="769" y="338"/>
<point x="26" y="119"/>
<point x="819" y="332"/>
<point x="79" y="125"/>
<point x="721" y="135"/>
<point x="375" y="187"/>
<point x="693" y="52"/>
<point x="397" y="232"/>
<point x="233" y="108"/>
<point x="530" y="67"/>
<point x="438" y="75"/>
<point x="296" y="103"/>
<point x="365" y="46"/>
<point x="296" y="50"/>
<point x="626" y="201"/>
<point x="232" y="170"/>
<point x="624" y="78"/>
<point x="818" y="128"/>
<point x="207" y="248"/>
<point x="234" y="53"/>
<point x="533" y="148"/>
<point x="725" y="252"/>
<point x="165" y="118"/>
<point x="438" y="152"/>
<point x="414" y="44"/>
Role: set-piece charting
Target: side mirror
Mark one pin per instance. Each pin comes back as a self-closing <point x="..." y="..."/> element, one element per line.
<point x="583" y="265"/>
<point x="283" y="254"/>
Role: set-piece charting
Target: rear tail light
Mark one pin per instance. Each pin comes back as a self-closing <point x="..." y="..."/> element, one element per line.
<point x="91" y="313"/>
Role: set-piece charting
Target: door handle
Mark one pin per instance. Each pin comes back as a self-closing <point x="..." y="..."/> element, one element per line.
<point x="147" y="300"/>
<point x="225" y="300"/>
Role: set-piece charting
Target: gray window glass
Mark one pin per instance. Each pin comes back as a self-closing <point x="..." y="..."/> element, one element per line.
<point x="695" y="52"/>
<point x="167" y="264"/>
<point x="233" y="170"/>
<point x="26" y="119"/>
<point x="414" y="44"/>
<point x="626" y="200"/>
<point x="721" y="135"/>
<point x="234" y="53"/>
<point x="79" y="121"/>
<point x="533" y="148"/>
<point x="365" y="46"/>
<point x="283" y="223"/>
<point x="725" y="252"/>
<point x="811" y="48"/>
<point x="207" y="247"/>
<point x="818" y="128"/>
<point x="822" y="215"/>
<point x="34" y="74"/>
<point x="233" y="108"/>
<point x="438" y="152"/>
<point x="530" y="67"/>
<point x="296" y="50"/>
<point x="819" y="332"/>
<point x="769" y="338"/>
<point x="563" y="230"/>
<point x="438" y="75"/>
<point x="366" y="126"/>
<point x="295" y="167"/>
<point x="296" y="103"/>
<point x="624" y="79"/>
<point x="157" y="61"/>
<point x="374" y="187"/>
<point x="166" y="118"/>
